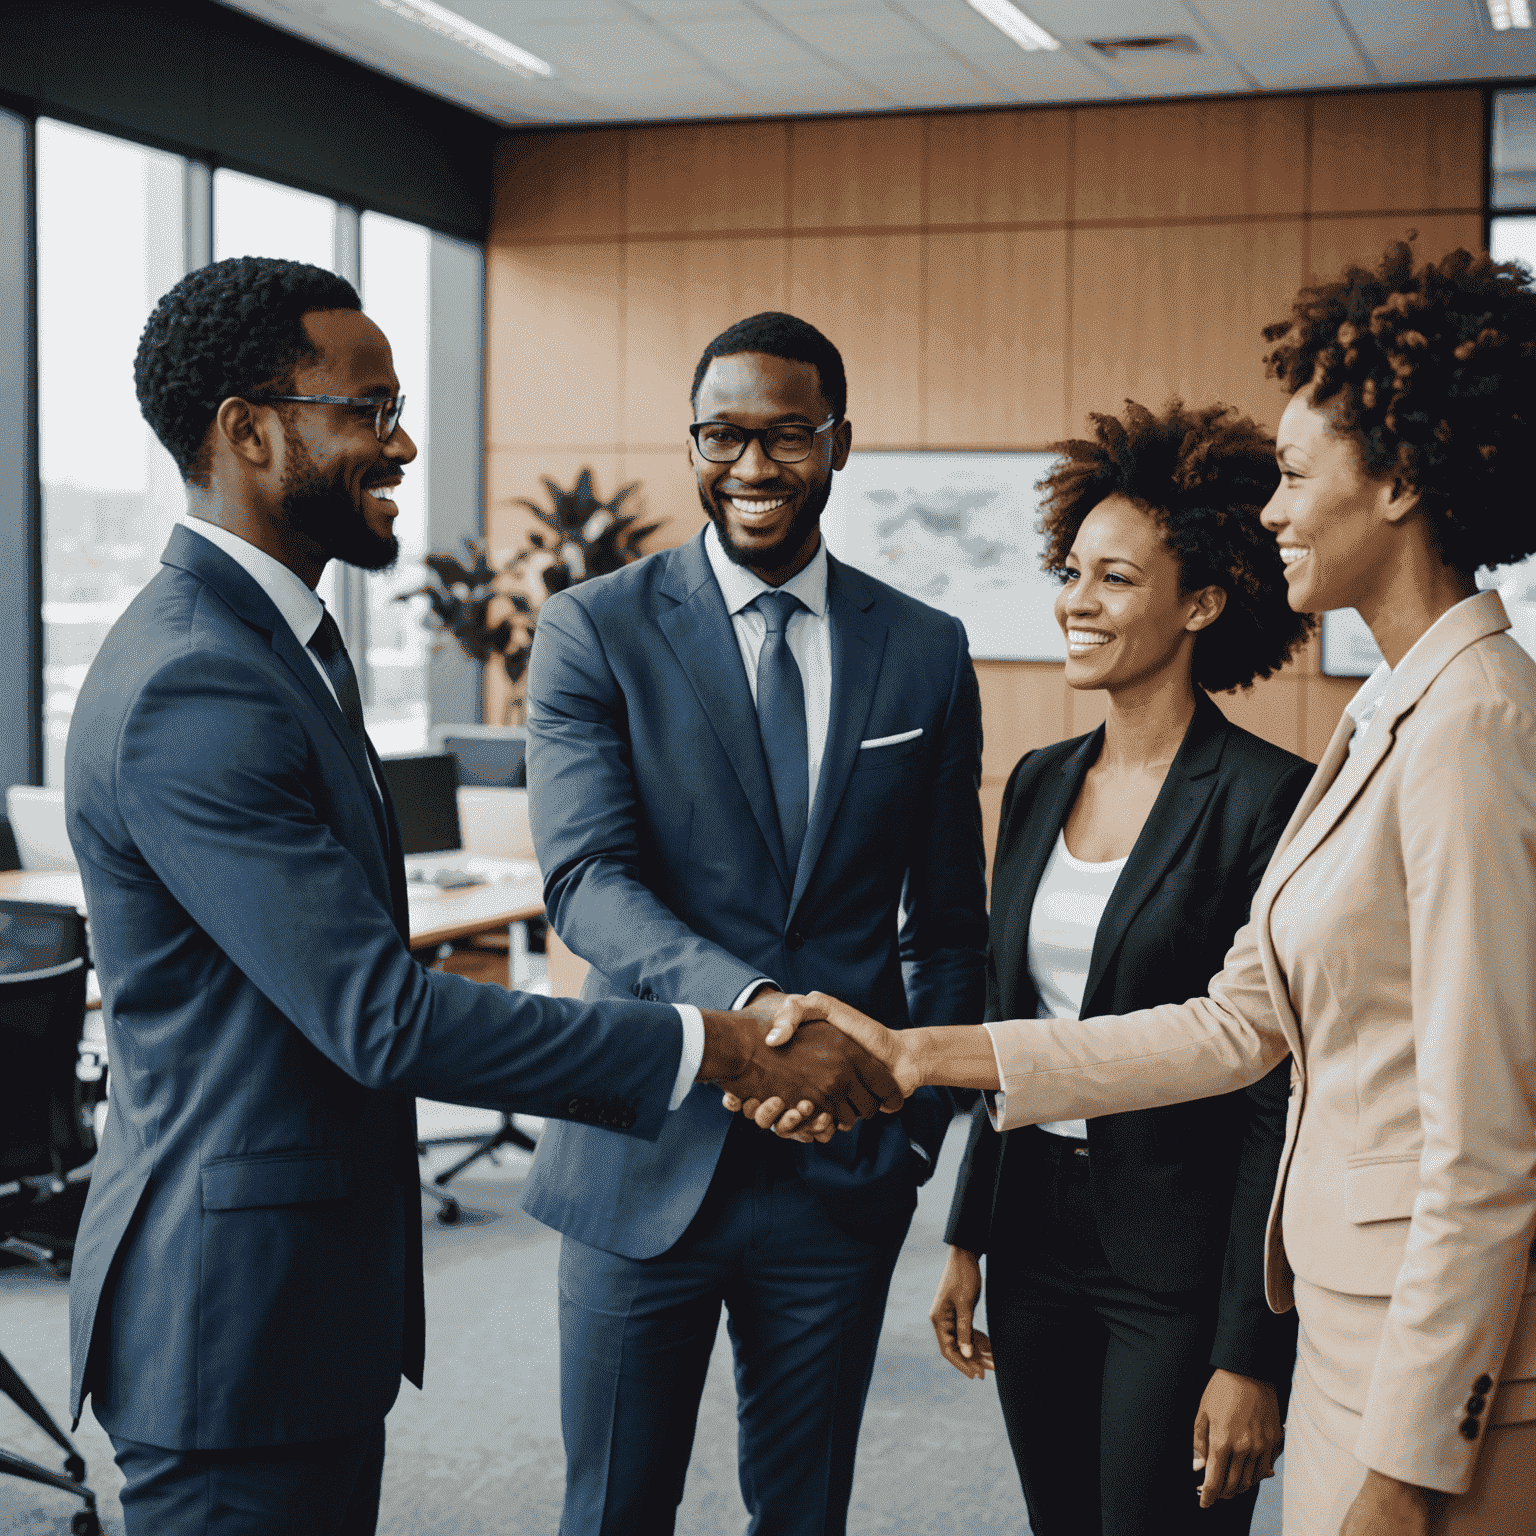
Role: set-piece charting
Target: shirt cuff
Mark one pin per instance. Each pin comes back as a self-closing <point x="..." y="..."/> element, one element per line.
<point x="693" y="1052"/>
<point x="997" y="1103"/>
<point x="746" y="992"/>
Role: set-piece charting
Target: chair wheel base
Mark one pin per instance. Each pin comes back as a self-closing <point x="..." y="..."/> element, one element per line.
<point x="449" y="1213"/>
<point x="85" y="1524"/>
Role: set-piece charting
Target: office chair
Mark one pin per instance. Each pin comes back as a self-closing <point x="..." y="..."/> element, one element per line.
<point x="46" y="1140"/>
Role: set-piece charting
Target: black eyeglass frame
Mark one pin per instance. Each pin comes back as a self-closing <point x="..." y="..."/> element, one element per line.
<point x="760" y="434"/>
<point x="385" y="419"/>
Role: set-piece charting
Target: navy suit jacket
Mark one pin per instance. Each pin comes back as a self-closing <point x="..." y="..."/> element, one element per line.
<point x="1181" y="1194"/>
<point x="655" y="826"/>
<point x="248" y="1270"/>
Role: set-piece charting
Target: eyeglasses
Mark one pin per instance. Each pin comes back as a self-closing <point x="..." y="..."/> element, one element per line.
<point x="386" y="418"/>
<point x="722" y="442"/>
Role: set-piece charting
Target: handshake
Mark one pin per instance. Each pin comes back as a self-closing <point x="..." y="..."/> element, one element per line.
<point x="806" y="1066"/>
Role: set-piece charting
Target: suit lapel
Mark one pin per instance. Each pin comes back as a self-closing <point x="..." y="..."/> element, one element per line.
<point x="1189" y="784"/>
<point x="858" y="646"/>
<point x="1034" y="843"/>
<point x="701" y="636"/>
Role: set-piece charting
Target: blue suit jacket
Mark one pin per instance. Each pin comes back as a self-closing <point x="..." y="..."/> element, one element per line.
<point x="663" y="866"/>
<point x="248" y="1270"/>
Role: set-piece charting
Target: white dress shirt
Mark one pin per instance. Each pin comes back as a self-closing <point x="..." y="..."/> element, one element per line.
<point x="302" y="611"/>
<point x="809" y="633"/>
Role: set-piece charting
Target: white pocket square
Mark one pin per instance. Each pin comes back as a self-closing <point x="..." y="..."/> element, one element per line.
<point x="890" y="741"/>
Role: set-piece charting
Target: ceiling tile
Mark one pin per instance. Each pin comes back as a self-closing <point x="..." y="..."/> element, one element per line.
<point x="743" y="43"/>
<point x="1287" y="48"/>
<point x="867" y="36"/>
<point x="1442" y="42"/>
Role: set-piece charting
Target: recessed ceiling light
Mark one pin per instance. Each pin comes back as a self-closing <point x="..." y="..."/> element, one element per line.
<point x="1505" y="14"/>
<point x="459" y="29"/>
<point x="1030" y="35"/>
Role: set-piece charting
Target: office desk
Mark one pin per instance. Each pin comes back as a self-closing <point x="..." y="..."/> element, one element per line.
<point x="437" y="917"/>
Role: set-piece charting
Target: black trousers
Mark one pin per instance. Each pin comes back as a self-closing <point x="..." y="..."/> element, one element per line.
<point x="1099" y="1380"/>
<point x="321" y="1488"/>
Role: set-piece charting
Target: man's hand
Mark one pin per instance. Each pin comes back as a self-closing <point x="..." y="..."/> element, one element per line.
<point x="1238" y="1434"/>
<point x="1386" y="1507"/>
<point x="953" y="1314"/>
<point x="821" y="1067"/>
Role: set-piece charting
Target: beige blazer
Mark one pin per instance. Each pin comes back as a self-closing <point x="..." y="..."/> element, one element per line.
<point x="1390" y="950"/>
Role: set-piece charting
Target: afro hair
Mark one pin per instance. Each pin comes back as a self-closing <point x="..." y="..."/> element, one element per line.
<point x="1204" y="474"/>
<point x="232" y="328"/>
<point x="1433" y="373"/>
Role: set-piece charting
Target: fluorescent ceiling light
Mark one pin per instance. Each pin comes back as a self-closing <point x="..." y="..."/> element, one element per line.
<point x="458" y="29"/>
<point x="1029" y="35"/>
<point x="1505" y="14"/>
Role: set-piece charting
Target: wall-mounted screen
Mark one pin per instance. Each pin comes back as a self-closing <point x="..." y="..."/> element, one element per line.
<point x="959" y="531"/>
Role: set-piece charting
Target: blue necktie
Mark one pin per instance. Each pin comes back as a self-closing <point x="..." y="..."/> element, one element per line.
<point x="781" y="721"/>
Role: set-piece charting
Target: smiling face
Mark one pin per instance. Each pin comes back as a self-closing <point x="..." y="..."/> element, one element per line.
<point x="336" y="474"/>
<point x="1121" y="608"/>
<point x="1333" y="521"/>
<point x="766" y="513"/>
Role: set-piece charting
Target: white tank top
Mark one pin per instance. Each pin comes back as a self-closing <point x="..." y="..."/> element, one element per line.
<point x="1068" y="905"/>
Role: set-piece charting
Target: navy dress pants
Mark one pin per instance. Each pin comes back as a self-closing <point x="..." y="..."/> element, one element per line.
<point x="1099" y="1380"/>
<point x="804" y="1303"/>
<point x="319" y="1488"/>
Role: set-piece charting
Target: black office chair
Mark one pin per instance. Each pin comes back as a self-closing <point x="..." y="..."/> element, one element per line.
<point x="46" y="1136"/>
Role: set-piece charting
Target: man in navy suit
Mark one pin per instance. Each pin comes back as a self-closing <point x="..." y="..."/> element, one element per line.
<point x="247" y="1284"/>
<point x="751" y="767"/>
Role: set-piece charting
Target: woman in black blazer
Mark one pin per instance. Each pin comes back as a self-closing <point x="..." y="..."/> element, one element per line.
<point x="1124" y="1285"/>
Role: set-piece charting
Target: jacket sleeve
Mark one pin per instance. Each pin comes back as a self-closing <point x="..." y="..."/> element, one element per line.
<point x="944" y="898"/>
<point x="1468" y="835"/>
<point x="1250" y="1339"/>
<point x="214" y="786"/>
<point x="581" y="792"/>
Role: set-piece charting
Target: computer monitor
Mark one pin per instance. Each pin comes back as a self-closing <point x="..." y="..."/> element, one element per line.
<point x="490" y="762"/>
<point x="425" y="792"/>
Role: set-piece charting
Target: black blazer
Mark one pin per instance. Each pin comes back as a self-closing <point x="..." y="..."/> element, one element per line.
<point x="1181" y="1193"/>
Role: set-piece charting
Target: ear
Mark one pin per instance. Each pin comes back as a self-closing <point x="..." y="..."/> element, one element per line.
<point x="1397" y="500"/>
<point x="842" y="443"/>
<point x="1208" y="605"/>
<point x="244" y="433"/>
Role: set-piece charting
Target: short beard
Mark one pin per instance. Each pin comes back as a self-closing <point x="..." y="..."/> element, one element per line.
<point x="324" y="510"/>
<point x="776" y="556"/>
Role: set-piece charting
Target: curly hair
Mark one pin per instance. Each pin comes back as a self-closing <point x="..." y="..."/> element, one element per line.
<point x="1433" y="373"/>
<point x="779" y="335"/>
<point x="1204" y="474"/>
<point x="232" y="328"/>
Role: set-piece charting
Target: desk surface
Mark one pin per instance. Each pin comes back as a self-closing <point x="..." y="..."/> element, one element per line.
<point x="436" y="916"/>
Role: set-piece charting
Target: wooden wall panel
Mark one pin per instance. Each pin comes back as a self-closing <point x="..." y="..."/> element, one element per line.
<point x="1192" y="159"/>
<point x="1023" y="706"/>
<point x="1271" y="709"/>
<point x="865" y="292"/>
<point x="668" y="490"/>
<point x="518" y="472"/>
<point x="559" y="186"/>
<point x="854" y="172"/>
<point x="999" y="167"/>
<point x="1406" y="149"/>
<point x="1179" y="310"/>
<point x="554" y="344"/>
<point x="1337" y="242"/>
<point x="717" y="177"/>
<point x="678" y="296"/>
<point x="994" y="338"/>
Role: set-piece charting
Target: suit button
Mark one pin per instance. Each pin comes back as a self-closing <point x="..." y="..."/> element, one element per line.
<point x="1476" y="1404"/>
<point x="1469" y="1429"/>
<point x="795" y="940"/>
<point x="1482" y="1384"/>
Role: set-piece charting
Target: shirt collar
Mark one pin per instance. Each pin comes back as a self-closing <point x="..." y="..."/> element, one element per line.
<point x="741" y="587"/>
<point x="298" y="605"/>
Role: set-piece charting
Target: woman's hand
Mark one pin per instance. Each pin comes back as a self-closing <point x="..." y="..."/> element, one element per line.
<point x="1238" y="1435"/>
<point x="892" y="1048"/>
<point x="966" y="1348"/>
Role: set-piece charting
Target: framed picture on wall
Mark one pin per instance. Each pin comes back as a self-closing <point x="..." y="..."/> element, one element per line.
<point x="959" y="531"/>
<point x="1349" y="650"/>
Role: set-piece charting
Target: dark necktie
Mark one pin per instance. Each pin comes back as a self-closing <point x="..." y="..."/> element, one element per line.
<point x="781" y="721"/>
<point x="326" y="644"/>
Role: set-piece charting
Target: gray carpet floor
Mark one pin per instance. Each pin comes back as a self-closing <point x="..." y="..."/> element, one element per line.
<point x="478" y="1452"/>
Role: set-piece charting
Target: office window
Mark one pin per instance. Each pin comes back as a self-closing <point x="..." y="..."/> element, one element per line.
<point x="110" y="242"/>
<point x="252" y="217"/>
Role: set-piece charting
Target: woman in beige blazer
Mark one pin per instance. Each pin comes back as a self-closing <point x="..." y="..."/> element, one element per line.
<point x="1390" y="946"/>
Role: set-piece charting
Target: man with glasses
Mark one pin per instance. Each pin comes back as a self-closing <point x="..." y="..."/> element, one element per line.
<point x="751" y="767"/>
<point x="247" y="1285"/>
